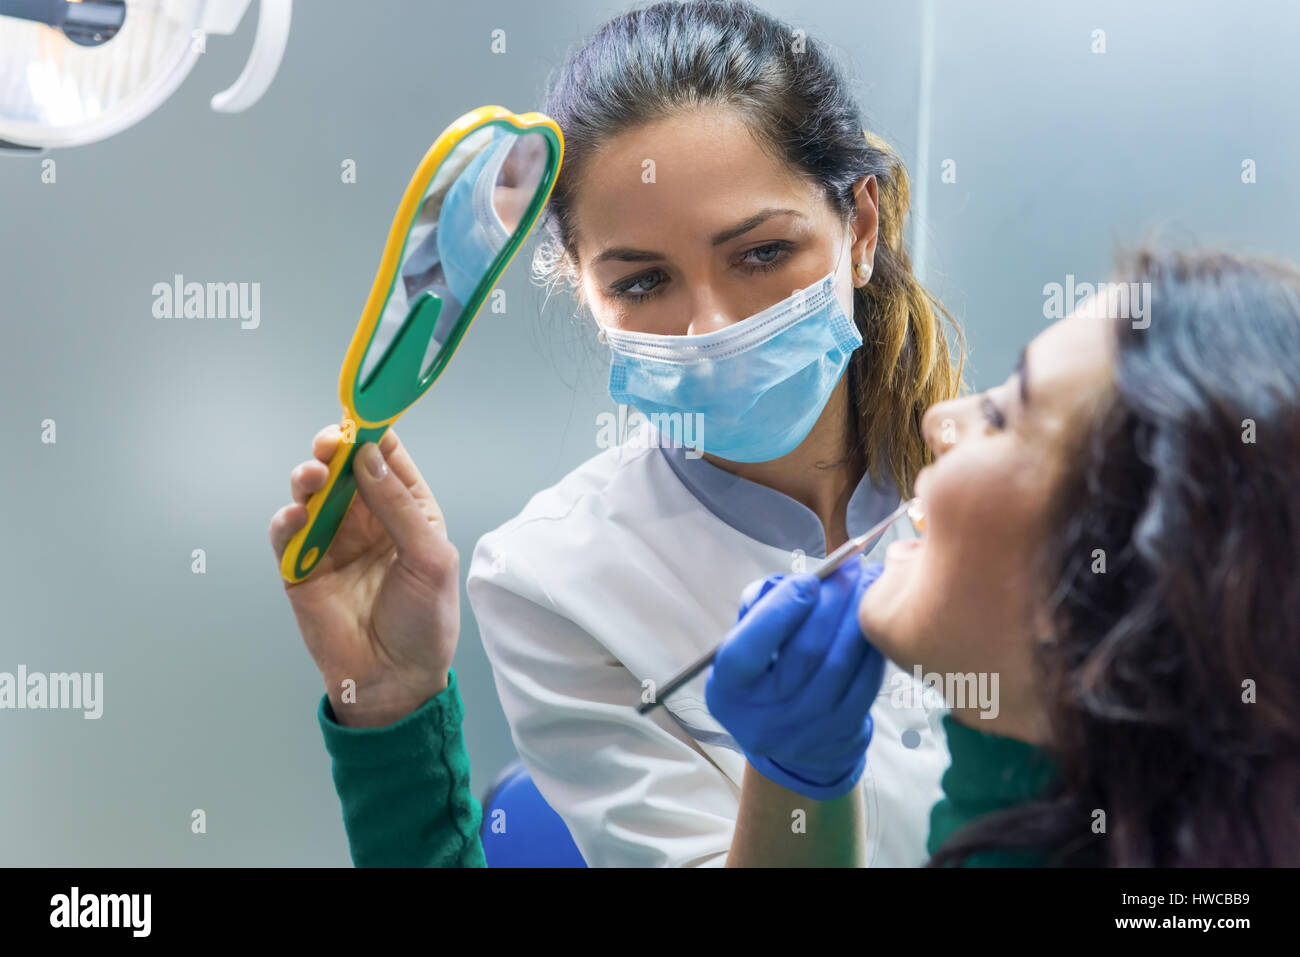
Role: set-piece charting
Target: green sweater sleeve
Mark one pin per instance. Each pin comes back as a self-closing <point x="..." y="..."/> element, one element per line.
<point x="405" y="787"/>
<point x="988" y="772"/>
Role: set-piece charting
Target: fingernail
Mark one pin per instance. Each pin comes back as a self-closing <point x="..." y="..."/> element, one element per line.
<point x="375" y="463"/>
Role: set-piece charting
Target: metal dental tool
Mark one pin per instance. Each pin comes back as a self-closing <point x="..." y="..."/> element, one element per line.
<point x="851" y="548"/>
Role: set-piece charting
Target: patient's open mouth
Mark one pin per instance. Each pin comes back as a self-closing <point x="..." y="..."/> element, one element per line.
<point x="904" y="548"/>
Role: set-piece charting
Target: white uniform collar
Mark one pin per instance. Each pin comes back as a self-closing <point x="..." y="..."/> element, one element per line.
<point x="773" y="517"/>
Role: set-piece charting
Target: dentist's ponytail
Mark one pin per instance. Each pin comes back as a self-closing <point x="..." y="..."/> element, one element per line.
<point x="908" y="366"/>
<point x="670" y="57"/>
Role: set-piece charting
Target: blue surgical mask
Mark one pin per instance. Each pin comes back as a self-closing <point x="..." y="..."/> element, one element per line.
<point x="750" y="392"/>
<point x="469" y="231"/>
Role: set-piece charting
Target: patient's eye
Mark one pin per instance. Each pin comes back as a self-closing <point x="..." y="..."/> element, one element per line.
<point x="992" y="413"/>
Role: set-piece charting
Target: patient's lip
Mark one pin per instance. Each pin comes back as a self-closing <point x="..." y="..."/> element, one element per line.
<point x="902" y="548"/>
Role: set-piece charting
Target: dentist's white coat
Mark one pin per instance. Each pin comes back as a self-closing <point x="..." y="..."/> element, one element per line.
<point x="616" y="574"/>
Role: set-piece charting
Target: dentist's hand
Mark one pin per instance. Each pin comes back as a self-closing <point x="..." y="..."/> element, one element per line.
<point x="795" y="680"/>
<point x="383" y="606"/>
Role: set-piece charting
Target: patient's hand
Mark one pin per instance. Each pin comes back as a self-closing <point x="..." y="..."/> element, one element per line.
<point x="382" y="608"/>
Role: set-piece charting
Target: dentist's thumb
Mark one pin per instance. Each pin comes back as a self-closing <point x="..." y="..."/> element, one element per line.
<point x="776" y="614"/>
<point x="395" y="507"/>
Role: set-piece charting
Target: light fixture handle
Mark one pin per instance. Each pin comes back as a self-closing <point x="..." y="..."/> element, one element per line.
<point x="263" y="60"/>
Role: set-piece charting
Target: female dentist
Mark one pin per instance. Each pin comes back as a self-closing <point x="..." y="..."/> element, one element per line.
<point x="738" y="240"/>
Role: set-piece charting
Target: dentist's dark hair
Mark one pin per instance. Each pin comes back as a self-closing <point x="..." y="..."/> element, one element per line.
<point x="661" y="60"/>
<point x="1172" y="677"/>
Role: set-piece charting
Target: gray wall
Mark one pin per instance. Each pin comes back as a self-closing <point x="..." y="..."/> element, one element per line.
<point x="180" y="434"/>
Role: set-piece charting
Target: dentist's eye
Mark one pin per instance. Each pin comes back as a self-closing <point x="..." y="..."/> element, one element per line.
<point x="768" y="256"/>
<point x="992" y="413"/>
<point x="639" y="288"/>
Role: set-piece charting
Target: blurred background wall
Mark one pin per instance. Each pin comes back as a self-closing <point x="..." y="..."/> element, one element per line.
<point x="179" y="434"/>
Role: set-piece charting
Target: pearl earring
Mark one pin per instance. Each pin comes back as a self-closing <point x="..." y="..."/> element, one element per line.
<point x="863" y="270"/>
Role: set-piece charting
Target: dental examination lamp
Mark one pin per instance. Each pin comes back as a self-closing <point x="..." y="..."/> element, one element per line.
<point x="78" y="71"/>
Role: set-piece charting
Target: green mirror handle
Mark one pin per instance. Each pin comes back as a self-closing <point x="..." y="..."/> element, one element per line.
<point x="396" y="381"/>
<point x="324" y="525"/>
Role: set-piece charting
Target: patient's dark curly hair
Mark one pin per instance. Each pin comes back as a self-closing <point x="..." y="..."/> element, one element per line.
<point x="1173" y="678"/>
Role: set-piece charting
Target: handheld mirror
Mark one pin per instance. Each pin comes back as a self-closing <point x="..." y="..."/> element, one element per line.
<point x="474" y="197"/>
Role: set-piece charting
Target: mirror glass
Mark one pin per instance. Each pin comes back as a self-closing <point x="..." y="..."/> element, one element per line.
<point x="475" y="204"/>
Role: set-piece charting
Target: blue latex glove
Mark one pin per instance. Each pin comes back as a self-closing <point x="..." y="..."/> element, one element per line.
<point x="795" y="679"/>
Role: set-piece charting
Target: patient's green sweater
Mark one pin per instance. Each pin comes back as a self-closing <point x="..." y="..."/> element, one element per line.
<point x="988" y="773"/>
<point x="405" y="788"/>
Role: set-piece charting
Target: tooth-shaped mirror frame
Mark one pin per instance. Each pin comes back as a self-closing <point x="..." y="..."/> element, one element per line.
<point x="327" y="508"/>
<point x="350" y="392"/>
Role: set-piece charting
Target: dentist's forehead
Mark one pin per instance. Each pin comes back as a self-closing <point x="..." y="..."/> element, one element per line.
<point x="680" y="179"/>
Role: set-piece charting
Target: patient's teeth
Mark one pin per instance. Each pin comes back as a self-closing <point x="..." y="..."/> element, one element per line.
<point x="916" y="512"/>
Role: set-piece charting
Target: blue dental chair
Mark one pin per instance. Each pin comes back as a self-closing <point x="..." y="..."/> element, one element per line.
<point x="528" y="832"/>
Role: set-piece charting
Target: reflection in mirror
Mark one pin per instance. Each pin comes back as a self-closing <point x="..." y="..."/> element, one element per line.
<point x="469" y="213"/>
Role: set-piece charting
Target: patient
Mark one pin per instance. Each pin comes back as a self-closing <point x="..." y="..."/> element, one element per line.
<point x="1115" y="533"/>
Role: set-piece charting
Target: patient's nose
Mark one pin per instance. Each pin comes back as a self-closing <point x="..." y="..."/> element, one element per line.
<point x="944" y="423"/>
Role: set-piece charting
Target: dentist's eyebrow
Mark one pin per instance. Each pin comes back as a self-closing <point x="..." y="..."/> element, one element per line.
<point x="752" y="222"/>
<point x="1022" y="373"/>
<point x="630" y="255"/>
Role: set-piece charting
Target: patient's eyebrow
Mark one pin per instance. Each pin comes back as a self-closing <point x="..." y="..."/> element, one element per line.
<point x="1022" y="372"/>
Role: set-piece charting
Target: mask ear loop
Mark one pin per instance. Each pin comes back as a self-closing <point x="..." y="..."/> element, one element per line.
<point x="852" y="335"/>
<point x="839" y="256"/>
<point x="830" y="285"/>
